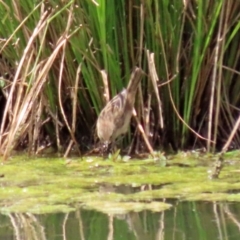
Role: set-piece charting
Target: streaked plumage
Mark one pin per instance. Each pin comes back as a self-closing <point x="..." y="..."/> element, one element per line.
<point x="115" y="117"/>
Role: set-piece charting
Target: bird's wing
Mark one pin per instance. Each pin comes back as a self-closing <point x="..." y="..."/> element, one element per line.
<point x="117" y="104"/>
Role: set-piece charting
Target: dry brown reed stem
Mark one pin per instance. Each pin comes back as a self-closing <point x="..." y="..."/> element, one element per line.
<point x="57" y="132"/>
<point x="41" y="24"/>
<point x="75" y="98"/>
<point x="11" y="135"/>
<point x="36" y="124"/>
<point x="68" y="148"/>
<point x="19" y="123"/>
<point x="60" y="79"/>
<point x="231" y="69"/>
<point x="236" y="127"/>
<point x="216" y="86"/>
<point x="147" y="117"/>
<point x="130" y="7"/>
<point x="95" y="2"/>
<point x="155" y="79"/>
<point x="20" y="26"/>
<point x="141" y="34"/>
<point x="181" y="119"/>
<point x="169" y="88"/>
<point x="140" y="128"/>
<point x="106" y="86"/>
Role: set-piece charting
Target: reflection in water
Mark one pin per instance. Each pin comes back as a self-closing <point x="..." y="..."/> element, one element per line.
<point x="186" y="220"/>
<point x="26" y="226"/>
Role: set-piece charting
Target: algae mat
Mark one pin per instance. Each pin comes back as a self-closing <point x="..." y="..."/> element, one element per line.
<point x="45" y="185"/>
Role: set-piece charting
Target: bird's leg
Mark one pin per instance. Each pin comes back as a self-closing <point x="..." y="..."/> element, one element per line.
<point x="116" y="145"/>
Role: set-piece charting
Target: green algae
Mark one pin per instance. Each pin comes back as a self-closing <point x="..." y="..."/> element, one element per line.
<point x="44" y="185"/>
<point x="111" y="207"/>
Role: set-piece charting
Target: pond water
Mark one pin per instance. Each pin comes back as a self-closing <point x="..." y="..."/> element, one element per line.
<point x="185" y="220"/>
<point x="120" y="198"/>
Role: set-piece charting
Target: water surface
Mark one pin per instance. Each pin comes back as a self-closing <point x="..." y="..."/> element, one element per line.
<point x="185" y="220"/>
<point x="119" y="198"/>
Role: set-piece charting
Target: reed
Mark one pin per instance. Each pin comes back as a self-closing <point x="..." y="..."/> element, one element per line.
<point x="62" y="61"/>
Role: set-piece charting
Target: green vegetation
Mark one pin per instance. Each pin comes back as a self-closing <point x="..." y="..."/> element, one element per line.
<point x="45" y="185"/>
<point x="60" y="60"/>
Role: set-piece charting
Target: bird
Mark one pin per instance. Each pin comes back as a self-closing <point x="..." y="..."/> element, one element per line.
<point x="114" y="119"/>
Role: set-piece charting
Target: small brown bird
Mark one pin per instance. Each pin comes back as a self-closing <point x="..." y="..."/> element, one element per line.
<point x="115" y="117"/>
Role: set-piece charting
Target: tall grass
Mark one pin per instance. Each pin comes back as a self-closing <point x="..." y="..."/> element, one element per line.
<point x="61" y="61"/>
